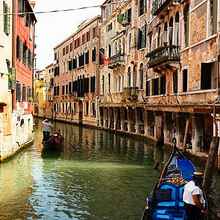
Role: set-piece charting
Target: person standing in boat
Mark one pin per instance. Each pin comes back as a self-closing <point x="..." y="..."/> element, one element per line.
<point x="47" y="127"/>
<point x="193" y="198"/>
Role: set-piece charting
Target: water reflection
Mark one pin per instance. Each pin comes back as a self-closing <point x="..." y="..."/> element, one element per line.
<point x="99" y="175"/>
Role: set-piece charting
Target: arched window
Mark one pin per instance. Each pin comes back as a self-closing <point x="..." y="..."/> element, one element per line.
<point x="176" y="32"/>
<point x="171" y="31"/>
<point x="129" y="76"/>
<point x="186" y="25"/>
<point x="135" y="76"/>
<point x="141" y="76"/>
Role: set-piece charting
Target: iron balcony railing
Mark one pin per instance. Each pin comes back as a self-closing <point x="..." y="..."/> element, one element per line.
<point x="118" y="59"/>
<point x="130" y="93"/>
<point x="159" y="5"/>
<point x="163" y="55"/>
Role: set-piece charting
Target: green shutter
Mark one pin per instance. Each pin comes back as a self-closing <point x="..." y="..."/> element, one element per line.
<point x="6" y="12"/>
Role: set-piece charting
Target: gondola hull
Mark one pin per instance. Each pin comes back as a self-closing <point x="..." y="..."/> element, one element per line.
<point x="166" y="200"/>
<point x="53" y="143"/>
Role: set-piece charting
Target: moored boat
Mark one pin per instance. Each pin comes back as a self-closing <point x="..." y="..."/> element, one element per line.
<point x="166" y="200"/>
<point x="54" y="142"/>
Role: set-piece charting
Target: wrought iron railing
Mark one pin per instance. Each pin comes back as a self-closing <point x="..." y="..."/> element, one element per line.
<point x="159" y="5"/>
<point x="163" y="55"/>
<point x="130" y="93"/>
<point x="117" y="59"/>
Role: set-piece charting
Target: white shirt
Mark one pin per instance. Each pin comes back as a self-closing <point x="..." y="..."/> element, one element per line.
<point x="191" y="189"/>
<point x="47" y="126"/>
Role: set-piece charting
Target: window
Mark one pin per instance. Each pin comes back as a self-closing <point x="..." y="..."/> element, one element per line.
<point x="213" y="16"/>
<point x="87" y="108"/>
<point x="109" y="83"/>
<point x="18" y="91"/>
<point x="141" y="76"/>
<point x="70" y="65"/>
<point x="103" y="85"/>
<point x="21" y="7"/>
<point x="186" y="25"/>
<point x="81" y="60"/>
<point x="71" y="47"/>
<point x="6" y="12"/>
<point x="94" y="54"/>
<point x="148" y="88"/>
<point x="63" y="90"/>
<point x="87" y="57"/>
<point x="129" y="76"/>
<point x="70" y="87"/>
<point x="67" y="89"/>
<point x="142" y="7"/>
<point x="163" y="85"/>
<point x="24" y="94"/>
<point x="83" y="38"/>
<point x="109" y="51"/>
<point x="74" y="63"/>
<point x="142" y="37"/>
<point x="18" y="42"/>
<point x="185" y="80"/>
<point x="175" y="82"/>
<point x="88" y="36"/>
<point x="93" y="83"/>
<point x="94" y="34"/>
<point x="207" y="76"/>
<point x="129" y="14"/>
<point x="67" y="49"/>
<point x="155" y="86"/>
<point x="64" y="51"/>
<point x="109" y="27"/>
<point x="93" y="109"/>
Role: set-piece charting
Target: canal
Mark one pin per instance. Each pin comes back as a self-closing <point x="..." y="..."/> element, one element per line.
<point x="99" y="175"/>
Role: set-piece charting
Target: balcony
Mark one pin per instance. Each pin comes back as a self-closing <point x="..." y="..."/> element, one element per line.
<point x="162" y="5"/>
<point x="130" y="94"/>
<point x="116" y="60"/>
<point x="165" y="55"/>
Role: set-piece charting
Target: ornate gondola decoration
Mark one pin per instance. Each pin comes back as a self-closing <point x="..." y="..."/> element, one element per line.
<point x="166" y="200"/>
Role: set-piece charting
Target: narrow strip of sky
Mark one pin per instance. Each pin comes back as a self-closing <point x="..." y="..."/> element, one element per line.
<point x="51" y="29"/>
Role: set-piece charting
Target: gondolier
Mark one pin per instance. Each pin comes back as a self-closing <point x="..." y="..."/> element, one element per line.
<point x="47" y="126"/>
<point x="193" y="198"/>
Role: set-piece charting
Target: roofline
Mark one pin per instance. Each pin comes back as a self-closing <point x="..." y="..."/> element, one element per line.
<point x="87" y="23"/>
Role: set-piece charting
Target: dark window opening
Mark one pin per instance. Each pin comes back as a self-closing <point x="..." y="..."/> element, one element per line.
<point x="148" y="88"/>
<point x="185" y="80"/>
<point x="94" y="55"/>
<point x="87" y="57"/>
<point x="163" y="85"/>
<point x="141" y="7"/>
<point x="213" y="15"/>
<point x="175" y="82"/>
<point x="207" y="76"/>
<point x="155" y="86"/>
<point x="186" y="25"/>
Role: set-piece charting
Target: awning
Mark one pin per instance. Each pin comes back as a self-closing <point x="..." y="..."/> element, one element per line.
<point x="3" y="62"/>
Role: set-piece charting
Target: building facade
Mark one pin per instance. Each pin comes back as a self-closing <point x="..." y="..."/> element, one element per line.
<point x="23" y="55"/>
<point x="156" y="71"/>
<point x="16" y="125"/>
<point x="76" y="75"/>
<point x="161" y="69"/>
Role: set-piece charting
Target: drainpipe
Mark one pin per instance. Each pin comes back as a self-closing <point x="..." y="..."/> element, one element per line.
<point x="14" y="16"/>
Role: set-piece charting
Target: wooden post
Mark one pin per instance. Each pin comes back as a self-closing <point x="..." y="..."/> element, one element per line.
<point x="185" y="135"/>
<point x="210" y="164"/>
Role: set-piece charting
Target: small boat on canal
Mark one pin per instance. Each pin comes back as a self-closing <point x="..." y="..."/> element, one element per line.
<point x="166" y="200"/>
<point x="54" y="142"/>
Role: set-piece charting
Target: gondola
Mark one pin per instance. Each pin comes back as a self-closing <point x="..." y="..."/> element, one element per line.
<point x="54" y="142"/>
<point x="166" y="200"/>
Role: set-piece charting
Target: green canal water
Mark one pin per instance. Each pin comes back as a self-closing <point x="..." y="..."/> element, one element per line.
<point x="98" y="176"/>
